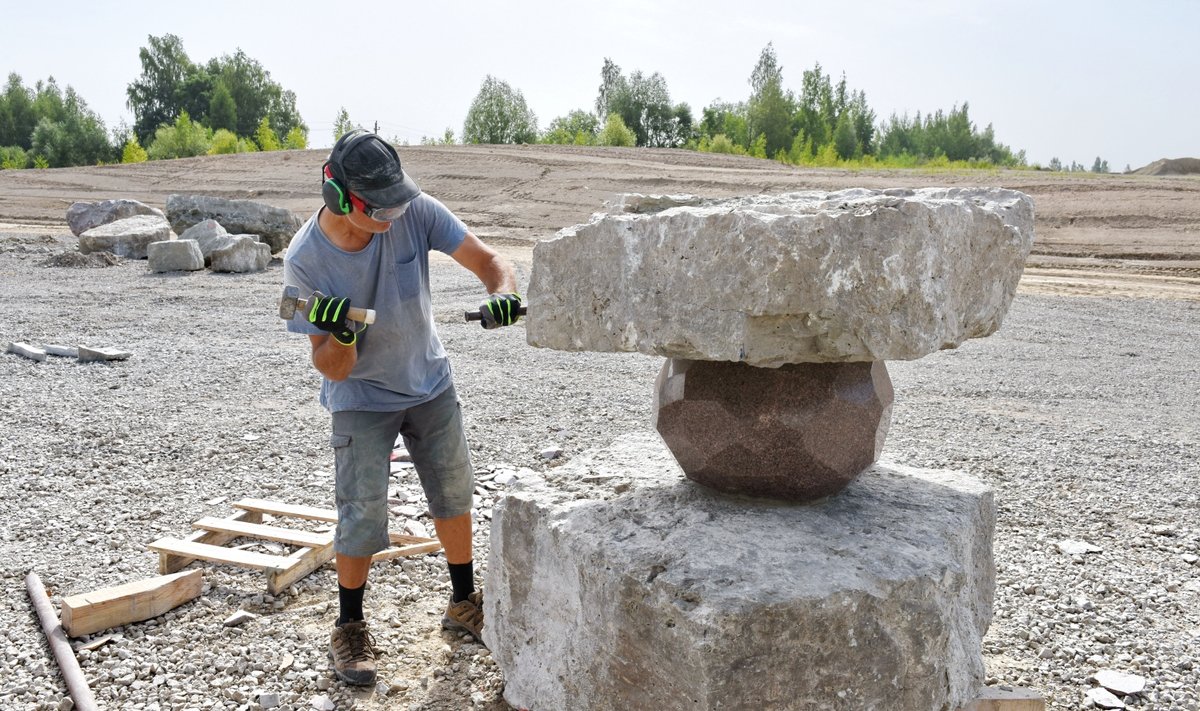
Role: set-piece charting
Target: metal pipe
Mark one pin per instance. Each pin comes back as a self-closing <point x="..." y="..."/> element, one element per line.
<point x="77" y="685"/>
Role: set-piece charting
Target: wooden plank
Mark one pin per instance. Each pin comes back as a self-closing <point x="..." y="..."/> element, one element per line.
<point x="218" y="554"/>
<point x="132" y="602"/>
<point x="403" y="539"/>
<point x="302" y="564"/>
<point x="307" y="539"/>
<point x="403" y="551"/>
<point x="170" y="563"/>
<point x="995" y="698"/>
<point x="276" y="508"/>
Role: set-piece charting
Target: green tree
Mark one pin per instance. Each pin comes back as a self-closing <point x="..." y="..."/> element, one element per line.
<point x="15" y="158"/>
<point x="182" y="139"/>
<point x="133" y="152"/>
<point x="499" y="114"/>
<point x="770" y="109"/>
<point x="578" y="127"/>
<point x="612" y="85"/>
<point x="222" y="110"/>
<point x="1100" y="166"/>
<point x="17" y="118"/>
<point x="296" y="139"/>
<point x="265" y="137"/>
<point x="845" y="140"/>
<point x="69" y="133"/>
<point x="158" y="95"/>
<point x="342" y="123"/>
<point x="224" y="142"/>
<point x="616" y="133"/>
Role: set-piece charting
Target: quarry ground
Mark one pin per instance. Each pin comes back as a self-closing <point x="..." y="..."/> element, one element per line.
<point x="1081" y="412"/>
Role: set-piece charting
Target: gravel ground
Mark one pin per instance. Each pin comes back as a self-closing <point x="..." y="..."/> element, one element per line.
<point x="1080" y="412"/>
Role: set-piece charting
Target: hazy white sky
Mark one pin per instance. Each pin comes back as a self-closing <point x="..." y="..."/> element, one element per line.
<point x="1071" y="79"/>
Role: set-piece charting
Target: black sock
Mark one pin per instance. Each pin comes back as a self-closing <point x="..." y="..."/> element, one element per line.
<point x="462" y="578"/>
<point x="350" y="604"/>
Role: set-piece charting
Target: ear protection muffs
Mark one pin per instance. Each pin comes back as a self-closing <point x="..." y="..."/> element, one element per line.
<point x="334" y="192"/>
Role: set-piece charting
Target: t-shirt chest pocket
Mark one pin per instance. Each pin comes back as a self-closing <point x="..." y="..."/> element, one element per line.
<point x="406" y="272"/>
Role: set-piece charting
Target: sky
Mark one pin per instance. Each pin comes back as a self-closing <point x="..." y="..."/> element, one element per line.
<point x="1069" y="79"/>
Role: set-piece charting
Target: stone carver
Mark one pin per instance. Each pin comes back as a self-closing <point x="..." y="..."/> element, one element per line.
<point x="369" y="246"/>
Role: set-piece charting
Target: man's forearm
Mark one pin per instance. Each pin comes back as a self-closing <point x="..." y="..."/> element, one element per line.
<point x="334" y="360"/>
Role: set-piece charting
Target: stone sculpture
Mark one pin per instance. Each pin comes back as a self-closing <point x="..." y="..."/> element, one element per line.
<point x="768" y="281"/>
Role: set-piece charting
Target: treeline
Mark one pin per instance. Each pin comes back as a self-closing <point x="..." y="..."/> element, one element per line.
<point x="825" y="123"/>
<point x="228" y="105"/>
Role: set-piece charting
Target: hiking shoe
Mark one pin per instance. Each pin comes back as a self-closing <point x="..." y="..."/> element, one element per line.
<point x="466" y="616"/>
<point x="352" y="649"/>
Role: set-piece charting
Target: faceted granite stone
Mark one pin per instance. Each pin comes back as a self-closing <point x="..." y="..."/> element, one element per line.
<point x="797" y="432"/>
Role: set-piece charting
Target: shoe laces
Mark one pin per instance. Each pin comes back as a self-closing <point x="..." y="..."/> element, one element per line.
<point x="358" y="643"/>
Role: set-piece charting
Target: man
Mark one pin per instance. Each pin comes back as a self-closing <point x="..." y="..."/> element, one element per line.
<point x="369" y="246"/>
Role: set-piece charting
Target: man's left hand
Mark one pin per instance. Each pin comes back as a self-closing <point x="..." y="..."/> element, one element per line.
<point x="500" y="310"/>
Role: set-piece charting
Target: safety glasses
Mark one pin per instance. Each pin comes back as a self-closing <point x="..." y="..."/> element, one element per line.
<point x="380" y="214"/>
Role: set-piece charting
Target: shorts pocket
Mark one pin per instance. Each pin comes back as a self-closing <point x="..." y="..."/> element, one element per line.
<point x="338" y="441"/>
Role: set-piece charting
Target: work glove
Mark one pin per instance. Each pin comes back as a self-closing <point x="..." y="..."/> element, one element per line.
<point x="500" y="310"/>
<point x="328" y="313"/>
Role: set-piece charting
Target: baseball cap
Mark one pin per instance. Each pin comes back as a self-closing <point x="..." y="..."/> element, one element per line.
<point x="373" y="172"/>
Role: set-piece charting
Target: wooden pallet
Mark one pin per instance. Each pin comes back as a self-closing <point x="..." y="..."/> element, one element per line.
<point x="313" y="549"/>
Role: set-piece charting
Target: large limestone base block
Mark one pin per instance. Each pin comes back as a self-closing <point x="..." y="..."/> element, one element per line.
<point x="614" y="584"/>
<point x="797" y="432"/>
<point x="129" y="237"/>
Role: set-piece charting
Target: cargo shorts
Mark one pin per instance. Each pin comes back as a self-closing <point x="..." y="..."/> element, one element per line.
<point x="362" y="442"/>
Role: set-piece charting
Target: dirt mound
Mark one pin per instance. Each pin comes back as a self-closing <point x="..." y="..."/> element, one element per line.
<point x="83" y="261"/>
<point x="1171" y="166"/>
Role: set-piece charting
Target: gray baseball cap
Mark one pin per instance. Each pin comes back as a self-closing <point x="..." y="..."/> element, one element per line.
<point x="372" y="171"/>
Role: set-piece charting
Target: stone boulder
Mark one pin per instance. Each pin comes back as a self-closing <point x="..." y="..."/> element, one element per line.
<point x="211" y="236"/>
<point x="83" y="216"/>
<point x="856" y="275"/>
<point x="615" y="584"/>
<point x="275" y="225"/>
<point x="128" y="237"/>
<point x="243" y="255"/>
<point x="177" y="255"/>
<point x="797" y="432"/>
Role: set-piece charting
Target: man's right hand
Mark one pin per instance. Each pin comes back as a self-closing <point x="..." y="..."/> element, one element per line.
<point x="328" y="313"/>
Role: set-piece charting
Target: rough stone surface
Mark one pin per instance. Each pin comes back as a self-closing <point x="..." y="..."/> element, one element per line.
<point x="856" y="275"/>
<point x="176" y="255"/>
<point x="242" y="256"/>
<point x="128" y="237"/>
<point x="1122" y="683"/>
<point x="797" y="432"/>
<point x="83" y="216"/>
<point x="615" y="584"/>
<point x="644" y="204"/>
<point x="275" y="225"/>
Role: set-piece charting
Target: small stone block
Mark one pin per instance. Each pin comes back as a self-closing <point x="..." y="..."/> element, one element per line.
<point x="88" y="355"/>
<point x="238" y="618"/>
<point x="26" y="350"/>
<point x="63" y="351"/>
<point x="997" y="698"/>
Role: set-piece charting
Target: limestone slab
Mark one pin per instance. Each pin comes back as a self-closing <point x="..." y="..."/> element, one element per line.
<point x="797" y="432"/>
<point x="244" y="254"/>
<point x="274" y="225"/>
<point x="129" y="237"/>
<point x="855" y="275"/>
<point x="176" y="255"/>
<point x="614" y="583"/>
<point x="83" y="216"/>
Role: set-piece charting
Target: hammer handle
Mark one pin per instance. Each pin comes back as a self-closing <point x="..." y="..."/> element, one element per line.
<point x="353" y="313"/>
<point x="476" y="316"/>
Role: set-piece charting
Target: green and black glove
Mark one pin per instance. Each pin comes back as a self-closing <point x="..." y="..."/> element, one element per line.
<point x="328" y="313"/>
<point x="500" y="310"/>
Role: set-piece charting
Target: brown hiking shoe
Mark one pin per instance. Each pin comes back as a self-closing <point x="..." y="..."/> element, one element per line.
<point x="466" y="616"/>
<point x="353" y="651"/>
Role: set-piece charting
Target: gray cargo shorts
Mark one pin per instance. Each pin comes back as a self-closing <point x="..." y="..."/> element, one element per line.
<point x="362" y="442"/>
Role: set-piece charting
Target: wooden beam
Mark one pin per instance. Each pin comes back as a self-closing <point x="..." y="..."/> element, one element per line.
<point x="133" y="602"/>
<point x="416" y="549"/>
<point x="170" y="562"/>
<point x="219" y="554"/>
<point x="290" y="536"/>
<point x="278" y="509"/>
<point x="303" y="563"/>
<point x="995" y="698"/>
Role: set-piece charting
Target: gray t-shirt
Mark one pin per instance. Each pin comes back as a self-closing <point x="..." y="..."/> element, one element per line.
<point x="401" y="361"/>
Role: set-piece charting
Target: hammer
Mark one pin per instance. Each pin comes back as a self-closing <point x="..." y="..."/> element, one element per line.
<point x="291" y="301"/>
